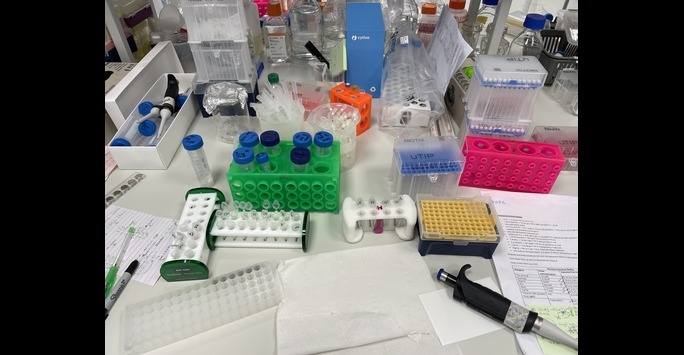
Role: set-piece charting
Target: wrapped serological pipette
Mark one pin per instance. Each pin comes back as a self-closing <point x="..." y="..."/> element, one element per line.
<point x="279" y="110"/>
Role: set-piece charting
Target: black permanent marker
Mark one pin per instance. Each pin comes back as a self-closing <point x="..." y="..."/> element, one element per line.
<point x="119" y="287"/>
<point x="502" y="309"/>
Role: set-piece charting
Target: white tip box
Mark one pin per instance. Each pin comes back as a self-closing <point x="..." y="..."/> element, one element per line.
<point x="158" y="156"/>
<point x="124" y="97"/>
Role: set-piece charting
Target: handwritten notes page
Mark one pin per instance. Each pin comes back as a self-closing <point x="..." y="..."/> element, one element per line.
<point x="150" y="244"/>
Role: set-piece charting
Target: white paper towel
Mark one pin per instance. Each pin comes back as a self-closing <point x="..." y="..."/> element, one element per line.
<point x="357" y="301"/>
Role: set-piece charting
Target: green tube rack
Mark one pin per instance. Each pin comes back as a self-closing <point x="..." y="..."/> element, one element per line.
<point x="317" y="190"/>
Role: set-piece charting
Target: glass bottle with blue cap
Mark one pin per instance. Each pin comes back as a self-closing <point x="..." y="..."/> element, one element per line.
<point x="529" y="41"/>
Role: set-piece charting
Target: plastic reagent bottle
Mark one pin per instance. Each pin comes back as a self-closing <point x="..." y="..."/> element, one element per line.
<point x="273" y="79"/>
<point x="264" y="162"/>
<point x="504" y="45"/>
<point x="323" y="141"/>
<point x="270" y="140"/>
<point x="458" y="10"/>
<point x="194" y="144"/>
<point x="301" y="139"/>
<point x="427" y="22"/>
<point x="276" y="34"/>
<point x="334" y="21"/>
<point x="244" y="158"/>
<point x="306" y="24"/>
<point x="529" y="42"/>
<point x="249" y="139"/>
<point x="485" y="16"/>
<point x="300" y="157"/>
<point x="255" y="40"/>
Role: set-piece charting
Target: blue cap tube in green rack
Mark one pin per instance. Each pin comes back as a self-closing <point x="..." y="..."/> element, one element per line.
<point x="244" y="157"/>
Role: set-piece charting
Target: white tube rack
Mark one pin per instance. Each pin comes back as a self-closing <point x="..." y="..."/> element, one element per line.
<point x="359" y="216"/>
<point x="265" y="229"/>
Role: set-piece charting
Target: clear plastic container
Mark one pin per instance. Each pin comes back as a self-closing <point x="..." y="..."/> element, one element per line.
<point x="485" y="16"/>
<point x="340" y="120"/>
<point x="334" y="22"/>
<point x="306" y="24"/>
<point x="215" y="20"/>
<point x="222" y="60"/>
<point x="504" y="87"/>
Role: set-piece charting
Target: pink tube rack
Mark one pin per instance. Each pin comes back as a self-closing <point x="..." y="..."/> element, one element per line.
<point x="510" y="165"/>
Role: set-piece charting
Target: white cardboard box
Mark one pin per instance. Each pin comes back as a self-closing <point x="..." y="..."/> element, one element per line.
<point x="124" y="97"/>
<point x="159" y="156"/>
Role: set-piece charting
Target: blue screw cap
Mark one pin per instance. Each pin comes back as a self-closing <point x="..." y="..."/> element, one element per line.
<point x="301" y="139"/>
<point x="147" y="128"/>
<point x="193" y="142"/>
<point x="262" y="158"/>
<point x="249" y="139"/>
<point x="300" y="155"/>
<point x="243" y="155"/>
<point x="120" y="142"/>
<point x="270" y="138"/>
<point x="534" y="21"/>
<point x="145" y="107"/>
<point x="323" y="139"/>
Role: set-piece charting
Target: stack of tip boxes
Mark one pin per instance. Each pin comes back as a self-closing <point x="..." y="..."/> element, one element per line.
<point x="316" y="190"/>
<point x="511" y="165"/>
<point x="458" y="226"/>
<point x="430" y="165"/>
<point x="501" y="96"/>
<point x="218" y="38"/>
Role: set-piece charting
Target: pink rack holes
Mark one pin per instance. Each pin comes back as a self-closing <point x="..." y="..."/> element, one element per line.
<point x="511" y="165"/>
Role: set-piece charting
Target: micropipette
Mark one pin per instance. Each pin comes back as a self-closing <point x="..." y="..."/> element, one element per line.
<point x="168" y="105"/>
<point x="111" y="274"/>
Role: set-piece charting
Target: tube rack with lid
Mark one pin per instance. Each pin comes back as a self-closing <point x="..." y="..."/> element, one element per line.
<point x="404" y="100"/>
<point x="504" y="164"/>
<point x="198" y="308"/>
<point x="264" y="229"/>
<point x="457" y="226"/>
<point x="188" y="255"/>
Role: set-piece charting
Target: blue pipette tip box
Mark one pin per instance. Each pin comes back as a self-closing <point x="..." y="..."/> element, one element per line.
<point x="426" y="165"/>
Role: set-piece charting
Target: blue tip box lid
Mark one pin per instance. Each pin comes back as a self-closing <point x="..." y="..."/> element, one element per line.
<point x="428" y="155"/>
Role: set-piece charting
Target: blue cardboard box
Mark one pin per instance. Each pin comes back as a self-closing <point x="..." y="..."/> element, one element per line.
<point x="365" y="45"/>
